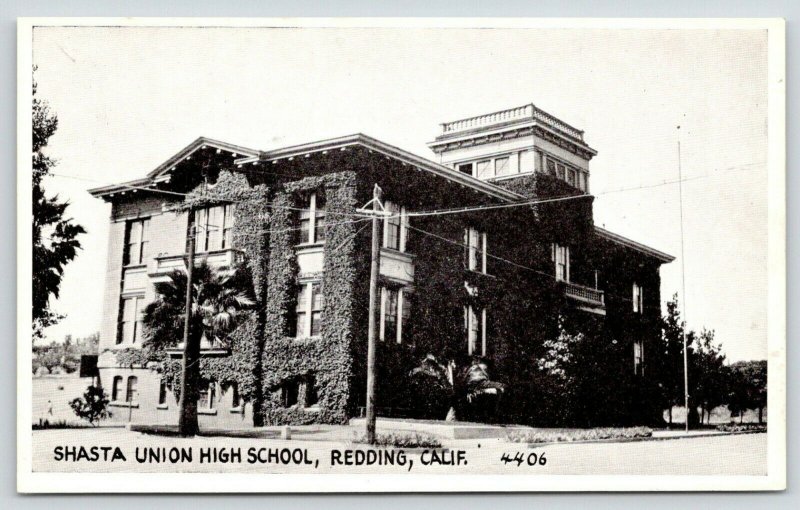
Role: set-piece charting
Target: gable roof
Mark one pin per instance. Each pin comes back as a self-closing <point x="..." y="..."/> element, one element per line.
<point x="158" y="174"/>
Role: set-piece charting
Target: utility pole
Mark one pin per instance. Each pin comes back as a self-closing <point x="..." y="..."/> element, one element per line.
<point x="187" y="418"/>
<point x="376" y="212"/>
<point x="683" y="283"/>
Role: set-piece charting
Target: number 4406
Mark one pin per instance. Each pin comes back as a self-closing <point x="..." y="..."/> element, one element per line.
<point x="520" y="458"/>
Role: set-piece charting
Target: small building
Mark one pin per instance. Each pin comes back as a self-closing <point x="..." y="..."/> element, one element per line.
<point x="491" y="251"/>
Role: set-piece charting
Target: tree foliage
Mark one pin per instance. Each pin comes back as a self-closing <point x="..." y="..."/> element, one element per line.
<point x="65" y="355"/>
<point x="55" y="236"/>
<point x="710" y="375"/>
<point x="748" y="389"/>
<point x="219" y="302"/>
<point x="93" y="407"/>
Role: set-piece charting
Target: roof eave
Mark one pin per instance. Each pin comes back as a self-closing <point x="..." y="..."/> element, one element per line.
<point x="629" y="243"/>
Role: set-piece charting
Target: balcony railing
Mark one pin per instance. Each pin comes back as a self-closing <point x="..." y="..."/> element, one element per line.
<point x="588" y="295"/>
<point x="207" y="348"/>
<point x="217" y="259"/>
<point x="529" y="111"/>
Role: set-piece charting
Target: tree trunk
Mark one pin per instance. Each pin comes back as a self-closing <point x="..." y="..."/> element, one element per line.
<point x="670" y="414"/>
<point x="760" y="415"/>
<point x="741" y="416"/>
<point x="187" y="424"/>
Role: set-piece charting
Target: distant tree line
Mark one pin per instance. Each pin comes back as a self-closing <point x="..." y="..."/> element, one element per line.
<point x="63" y="356"/>
<point x="712" y="381"/>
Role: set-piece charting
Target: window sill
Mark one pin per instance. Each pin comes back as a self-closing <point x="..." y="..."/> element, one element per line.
<point x="237" y="410"/>
<point x="209" y="412"/>
<point x="117" y="403"/>
<point x="162" y="407"/>
<point x="318" y="244"/>
<point x="394" y="251"/>
<point x="139" y="265"/>
<point x="313" y="337"/>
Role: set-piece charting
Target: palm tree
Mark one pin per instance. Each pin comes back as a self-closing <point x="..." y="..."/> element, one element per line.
<point x="219" y="299"/>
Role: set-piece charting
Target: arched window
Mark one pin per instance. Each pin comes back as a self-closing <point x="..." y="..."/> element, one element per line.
<point x="130" y="394"/>
<point x="115" y="387"/>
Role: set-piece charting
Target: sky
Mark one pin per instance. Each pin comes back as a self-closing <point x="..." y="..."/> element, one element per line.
<point x="129" y="98"/>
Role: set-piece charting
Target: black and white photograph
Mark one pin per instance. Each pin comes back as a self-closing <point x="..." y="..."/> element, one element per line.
<point x="461" y="254"/>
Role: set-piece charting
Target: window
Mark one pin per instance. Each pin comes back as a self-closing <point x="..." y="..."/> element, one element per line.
<point x="310" y="307"/>
<point x="162" y="392"/>
<point x="483" y="169"/>
<point x="116" y="387"/>
<point x="572" y="177"/>
<point x="638" y="357"/>
<point x="394" y="314"/>
<point x="551" y="167"/>
<point x="561" y="258"/>
<point x="236" y="399"/>
<point x="312" y="220"/>
<point x="206" y="397"/>
<point x="638" y="298"/>
<point x="502" y="166"/>
<point x="311" y="394"/>
<point x="290" y="391"/>
<point x="395" y="227"/>
<point x="560" y="169"/>
<point x="136" y="239"/>
<point x="465" y="168"/>
<point x="129" y="328"/>
<point x="475" y="245"/>
<point x="526" y="163"/>
<point x="475" y="323"/>
<point x="214" y="227"/>
<point x="130" y="392"/>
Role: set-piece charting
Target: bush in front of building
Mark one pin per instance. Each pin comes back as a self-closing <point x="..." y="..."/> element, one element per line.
<point x="93" y="406"/>
<point x="569" y="435"/>
<point x="404" y="440"/>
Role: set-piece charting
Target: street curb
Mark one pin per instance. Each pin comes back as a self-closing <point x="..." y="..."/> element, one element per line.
<point x="641" y="439"/>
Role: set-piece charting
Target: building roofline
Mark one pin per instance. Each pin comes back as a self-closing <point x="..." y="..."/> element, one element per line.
<point x="629" y="243"/>
<point x="388" y="150"/>
<point x="156" y="174"/>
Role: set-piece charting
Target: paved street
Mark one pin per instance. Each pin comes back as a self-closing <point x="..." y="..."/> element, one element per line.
<point x="718" y="455"/>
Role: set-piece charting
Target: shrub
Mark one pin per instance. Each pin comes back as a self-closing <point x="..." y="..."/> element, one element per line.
<point x="45" y="424"/>
<point x="742" y="427"/>
<point x="567" y="435"/>
<point x="93" y="407"/>
<point x="407" y="440"/>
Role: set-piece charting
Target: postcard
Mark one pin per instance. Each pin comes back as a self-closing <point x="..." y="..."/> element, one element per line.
<point x="401" y="255"/>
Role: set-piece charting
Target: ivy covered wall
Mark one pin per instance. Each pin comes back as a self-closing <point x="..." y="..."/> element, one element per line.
<point x="326" y="361"/>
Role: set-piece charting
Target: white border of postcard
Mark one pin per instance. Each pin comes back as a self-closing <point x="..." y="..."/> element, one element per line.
<point x="27" y="481"/>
